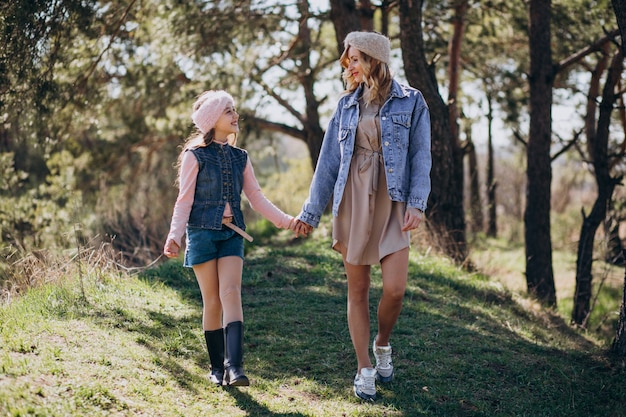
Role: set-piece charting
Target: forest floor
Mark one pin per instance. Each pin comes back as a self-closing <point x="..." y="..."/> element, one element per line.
<point x="119" y="344"/>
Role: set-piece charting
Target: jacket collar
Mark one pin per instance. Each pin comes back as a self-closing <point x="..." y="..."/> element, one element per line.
<point x="397" y="90"/>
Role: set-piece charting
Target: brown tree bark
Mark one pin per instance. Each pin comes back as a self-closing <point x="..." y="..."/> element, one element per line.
<point x="446" y="214"/>
<point x="619" y="344"/>
<point x="454" y="56"/>
<point x="475" y="202"/>
<point x="539" y="272"/>
<point x="492" y="221"/>
<point x="312" y="127"/>
<point x="345" y="18"/>
<point x="598" y="148"/>
<point x="619" y="6"/>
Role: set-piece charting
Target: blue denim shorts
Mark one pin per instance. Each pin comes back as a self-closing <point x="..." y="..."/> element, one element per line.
<point x="204" y="245"/>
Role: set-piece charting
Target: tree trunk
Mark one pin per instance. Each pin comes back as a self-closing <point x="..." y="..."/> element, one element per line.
<point x="619" y="344"/>
<point x="345" y="18"/>
<point x="476" y="207"/>
<point x="454" y="54"/>
<point x="446" y="215"/>
<point x="614" y="247"/>
<point x="598" y="149"/>
<point x="312" y="128"/>
<point x="539" y="273"/>
<point x="492" y="222"/>
<point x="619" y="6"/>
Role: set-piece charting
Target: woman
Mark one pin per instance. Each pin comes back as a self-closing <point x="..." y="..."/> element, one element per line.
<point x="375" y="162"/>
<point x="212" y="174"/>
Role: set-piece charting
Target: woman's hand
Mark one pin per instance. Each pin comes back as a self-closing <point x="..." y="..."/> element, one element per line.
<point x="171" y="249"/>
<point x="412" y="219"/>
<point x="302" y="229"/>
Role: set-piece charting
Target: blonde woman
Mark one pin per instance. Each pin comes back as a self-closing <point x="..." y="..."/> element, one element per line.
<point x="375" y="164"/>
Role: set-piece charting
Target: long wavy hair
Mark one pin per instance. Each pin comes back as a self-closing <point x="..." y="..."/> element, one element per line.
<point x="376" y="75"/>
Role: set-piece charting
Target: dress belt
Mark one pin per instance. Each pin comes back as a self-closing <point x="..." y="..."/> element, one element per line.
<point x="228" y="222"/>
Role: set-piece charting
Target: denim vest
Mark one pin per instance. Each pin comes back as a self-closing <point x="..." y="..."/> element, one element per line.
<point x="220" y="181"/>
<point x="405" y="139"/>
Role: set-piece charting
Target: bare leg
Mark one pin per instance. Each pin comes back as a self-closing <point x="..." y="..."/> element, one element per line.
<point x="358" y="311"/>
<point x="230" y="269"/>
<point x="394" y="269"/>
<point x="206" y="274"/>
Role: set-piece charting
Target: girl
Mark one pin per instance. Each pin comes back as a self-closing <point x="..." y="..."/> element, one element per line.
<point x="375" y="162"/>
<point x="212" y="174"/>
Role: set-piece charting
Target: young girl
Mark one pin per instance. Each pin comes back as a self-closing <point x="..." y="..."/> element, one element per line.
<point x="212" y="174"/>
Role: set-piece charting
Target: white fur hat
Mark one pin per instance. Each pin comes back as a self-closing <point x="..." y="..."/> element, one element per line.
<point x="209" y="107"/>
<point x="371" y="43"/>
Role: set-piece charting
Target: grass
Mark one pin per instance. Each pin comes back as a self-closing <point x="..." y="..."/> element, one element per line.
<point x="504" y="262"/>
<point x="465" y="345"/>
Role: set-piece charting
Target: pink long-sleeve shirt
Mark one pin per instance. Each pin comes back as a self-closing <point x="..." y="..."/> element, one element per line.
<point x="187" y="182"/>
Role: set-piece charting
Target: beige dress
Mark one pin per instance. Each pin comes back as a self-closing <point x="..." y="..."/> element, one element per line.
<point x="368" y="224"/>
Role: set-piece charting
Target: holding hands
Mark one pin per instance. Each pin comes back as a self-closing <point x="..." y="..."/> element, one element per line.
<point x="300" y="228"/>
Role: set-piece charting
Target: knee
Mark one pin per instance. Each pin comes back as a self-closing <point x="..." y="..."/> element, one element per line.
<point x="394" y="293"/>
<point x="230" y="291"/>
<point x="212" y="304"/>
<point x="358" y="295"/>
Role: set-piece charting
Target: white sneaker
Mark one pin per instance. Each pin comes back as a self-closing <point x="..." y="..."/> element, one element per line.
<point x="365" y="384"/>
<point x="384" y="367"/>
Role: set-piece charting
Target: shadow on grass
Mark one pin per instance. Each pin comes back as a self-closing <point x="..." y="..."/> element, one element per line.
<point x="248" y="404"/>
<point x="460" y="349"/>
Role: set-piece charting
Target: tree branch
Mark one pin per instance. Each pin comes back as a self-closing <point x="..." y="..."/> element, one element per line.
<point x="275" y="127"/>
<point x="568" y="145"/>
<point x="596" y="46"/>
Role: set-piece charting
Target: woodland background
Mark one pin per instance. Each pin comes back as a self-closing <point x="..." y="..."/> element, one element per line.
<point x="526" y="99"/>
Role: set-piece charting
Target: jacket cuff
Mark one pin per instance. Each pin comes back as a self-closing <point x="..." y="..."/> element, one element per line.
<point x="309" y="219"/>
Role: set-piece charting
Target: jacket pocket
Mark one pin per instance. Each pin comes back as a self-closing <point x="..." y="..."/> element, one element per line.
<point x="401" y="119"/>
<point x="344" y="133"/>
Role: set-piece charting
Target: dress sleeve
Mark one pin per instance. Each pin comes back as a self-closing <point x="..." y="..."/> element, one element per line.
<point x="260" y="203"/>
<point x="187" y="188"/>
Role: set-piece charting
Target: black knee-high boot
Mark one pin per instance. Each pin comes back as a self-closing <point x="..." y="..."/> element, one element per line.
<point x="233" y="374"/>
<point x="215" y="346"/>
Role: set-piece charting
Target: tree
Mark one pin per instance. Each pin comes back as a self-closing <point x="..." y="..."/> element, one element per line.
<point x="619" y="6"/>
<point x="599" y="156"/>
<point x="446" y="213"/>
<point x="539" y="273"/>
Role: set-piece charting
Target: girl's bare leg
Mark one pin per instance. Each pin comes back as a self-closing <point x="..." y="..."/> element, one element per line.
<point x="207" y="277"/>
<point x="229" y="270"/>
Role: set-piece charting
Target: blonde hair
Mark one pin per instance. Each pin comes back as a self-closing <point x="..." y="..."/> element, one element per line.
<point x="376" y="75"/>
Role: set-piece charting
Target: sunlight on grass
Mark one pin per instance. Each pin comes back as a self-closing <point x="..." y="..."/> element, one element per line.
<point x="465" y="345"/>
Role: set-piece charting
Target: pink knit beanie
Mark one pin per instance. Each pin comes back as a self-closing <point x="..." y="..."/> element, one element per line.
<point x="209" y="107"/>
<point x="371" y="43"/>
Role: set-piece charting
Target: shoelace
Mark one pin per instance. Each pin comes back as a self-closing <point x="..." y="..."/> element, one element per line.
<point x="384" y="359"/>
<point x="368" y="383"/>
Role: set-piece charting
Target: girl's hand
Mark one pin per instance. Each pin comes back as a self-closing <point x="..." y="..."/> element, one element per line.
<point x="171" y="249"/>
<point x="412" y="219"/>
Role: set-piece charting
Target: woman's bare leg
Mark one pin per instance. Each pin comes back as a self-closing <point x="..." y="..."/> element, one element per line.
<point x="394" y="269"/>
<point x="358" y="312"/>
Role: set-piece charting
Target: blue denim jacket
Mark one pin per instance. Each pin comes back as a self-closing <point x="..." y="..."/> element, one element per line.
<point x="220" y="181"/>
<point x="405" y="137"/>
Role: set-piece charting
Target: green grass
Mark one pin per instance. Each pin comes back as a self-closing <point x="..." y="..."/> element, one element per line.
<point x="464" y="346"/>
